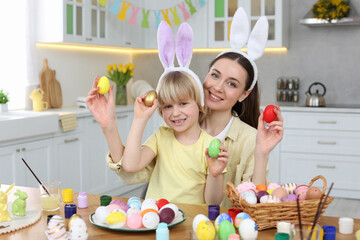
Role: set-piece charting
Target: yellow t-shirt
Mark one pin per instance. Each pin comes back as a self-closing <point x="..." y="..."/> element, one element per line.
<point x="180" y="171"/>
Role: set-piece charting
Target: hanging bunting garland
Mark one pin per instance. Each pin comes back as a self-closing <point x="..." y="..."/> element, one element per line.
<point x="176" y="17"/>
<point x="122" y="14"/>
<point x="191" y="6"/>
<point x="132" y="19"/>
<point x="145" y="21"/>
<point x="187" y="9"/>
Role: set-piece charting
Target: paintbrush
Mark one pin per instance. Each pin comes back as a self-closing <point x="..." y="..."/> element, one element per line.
<point x="299" y="216"/>
<point x="319" y="210"/>
<point x="36" y="177"/>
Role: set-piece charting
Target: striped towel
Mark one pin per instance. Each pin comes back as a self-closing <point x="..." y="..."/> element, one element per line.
<point x="68" y="121"/>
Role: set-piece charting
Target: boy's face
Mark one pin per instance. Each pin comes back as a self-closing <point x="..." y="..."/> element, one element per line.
<point x="181" y="116"/>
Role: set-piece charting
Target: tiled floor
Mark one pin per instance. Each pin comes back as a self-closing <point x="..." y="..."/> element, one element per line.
<point x="340" y="207"/>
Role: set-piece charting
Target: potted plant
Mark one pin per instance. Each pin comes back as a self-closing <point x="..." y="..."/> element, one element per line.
<point x="331" y="9"/>
<point x="120" y="75"/>
<point x="4" y="98"/>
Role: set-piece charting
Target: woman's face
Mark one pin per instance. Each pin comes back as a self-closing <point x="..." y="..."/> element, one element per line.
<point x="225" y="85"/>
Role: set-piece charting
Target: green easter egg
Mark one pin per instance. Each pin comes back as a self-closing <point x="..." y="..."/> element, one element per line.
<point x="225" y="229"/>
<point x="214" y="148"/>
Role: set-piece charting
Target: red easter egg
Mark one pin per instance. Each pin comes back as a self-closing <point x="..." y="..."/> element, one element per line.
<point x="269" y="114"/>
<point x="161" y="202"/>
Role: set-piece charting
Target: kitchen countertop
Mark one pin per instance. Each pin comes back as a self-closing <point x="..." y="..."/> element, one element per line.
<point x="330" y="108"/>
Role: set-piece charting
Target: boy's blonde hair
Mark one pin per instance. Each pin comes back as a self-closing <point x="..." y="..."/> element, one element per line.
<point x="178" y="86"/>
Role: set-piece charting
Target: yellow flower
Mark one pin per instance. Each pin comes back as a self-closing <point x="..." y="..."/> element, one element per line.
<point x="124" y="69"/>
<point x="132" y="74"/>
<point x="115" y="66"/>
<point x="109" y="68"/>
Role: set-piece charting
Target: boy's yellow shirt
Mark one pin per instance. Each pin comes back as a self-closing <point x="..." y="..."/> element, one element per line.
<point x="180" y="171"/>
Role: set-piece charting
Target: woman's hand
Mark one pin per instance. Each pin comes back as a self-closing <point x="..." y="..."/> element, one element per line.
<point x="101" y="108"/>
<point x="217" y="165"/>
<point x="141" y="110"/>
<point x="267" y="139"/>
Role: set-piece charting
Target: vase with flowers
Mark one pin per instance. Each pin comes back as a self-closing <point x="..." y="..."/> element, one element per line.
<point x="120" y="75"/>
<point x="4" y="98"/>
<point x="331" y="9"/>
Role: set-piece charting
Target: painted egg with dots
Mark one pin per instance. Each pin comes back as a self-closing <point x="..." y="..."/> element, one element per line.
<point x="103" y="85"/>
<point x="205" y="230"/>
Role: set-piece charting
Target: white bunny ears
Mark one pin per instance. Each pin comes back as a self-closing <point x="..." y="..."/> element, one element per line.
<point x="184" y="49"/>
<point x="239" y="35"/>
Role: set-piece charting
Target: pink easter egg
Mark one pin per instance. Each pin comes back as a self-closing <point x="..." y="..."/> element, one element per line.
<point x="134" y="221"/>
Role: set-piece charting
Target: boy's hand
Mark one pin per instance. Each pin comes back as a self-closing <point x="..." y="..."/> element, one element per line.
<point x="217" y="165"/>
<point x="143" y="111"/>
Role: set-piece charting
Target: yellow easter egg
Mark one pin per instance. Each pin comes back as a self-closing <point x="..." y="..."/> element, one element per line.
<point x="205" y="230"/>
<point x="270" y="191"/>
<point x="104" y="85"/>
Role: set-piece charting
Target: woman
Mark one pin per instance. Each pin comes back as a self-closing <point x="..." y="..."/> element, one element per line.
<point x="233" y="115"/>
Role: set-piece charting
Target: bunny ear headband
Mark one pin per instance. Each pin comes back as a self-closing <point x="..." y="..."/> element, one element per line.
<point x="239" y="35"/>
<point x="183" y="48"/>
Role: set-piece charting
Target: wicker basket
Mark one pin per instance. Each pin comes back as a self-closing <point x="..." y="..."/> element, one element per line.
<point x="266" y="215"/>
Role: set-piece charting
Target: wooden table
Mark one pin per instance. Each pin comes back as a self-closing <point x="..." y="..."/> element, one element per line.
<point x="181" y="231"/>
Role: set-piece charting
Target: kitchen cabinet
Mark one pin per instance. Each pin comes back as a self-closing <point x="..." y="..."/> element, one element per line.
<point x="321" y="142"/>
<point x="69" y="160"/>
<point x="78" y="22"/>
<point x="37" y="153"/>
<point x="221" y="13"/>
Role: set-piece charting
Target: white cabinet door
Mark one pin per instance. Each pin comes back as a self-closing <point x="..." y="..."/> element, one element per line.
<point x="95" y="168"/>
<point x="69" y="160"/>
<point x="37" y="154"/>
<point x="221" y="14"/>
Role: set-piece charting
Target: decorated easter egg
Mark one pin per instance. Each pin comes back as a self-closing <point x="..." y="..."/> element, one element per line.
<point x="248" y="229"/>
<point x="246" y="186"/>
<point x="239" y="218"/>
<point x="225" y="229"/>
<point x="150" y="97"/>
<point x="197" y="219"/>
<point x="220" y="218"/>
<point x="151" y="220"/>
<point x="249" y="196"/>
<point x="166" y="215"/>
<point x="269" y="114"/>
<point x="149" y="206"/>
<point x="103" y="85"/>
<point x="150" y="201"/>
<point x="269" y="199"/>
<point x="116" y="219"/>
<point x="289" y="198"/>
<point x="260" y="194"/>
<point x="100" y="214"/>
<point x="56" y="228"/>
<point x="273" y="186"/>
<point x="161" y="202"/>
<point x="133" y="210"/>
<point x="261" y="187"/>
<point x="172" y="206"/>
<point x="145" y="211"/>
<point x="134" y="221"/>
<point x="290" y="187"/>
<point x="313" y="193"/>
<point x="113" y="207"/>
<point x="205" y="230"/>
<point x="78" y="229"/>
<point x="301" y="191"/>
<point x="214" y="149"/>
<point x="279" y="193"/>
<point x="134" y="202"/>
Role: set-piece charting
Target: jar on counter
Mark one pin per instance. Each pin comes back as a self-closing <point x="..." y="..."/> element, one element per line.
<point x="296" y="96"/>
<point x="290" y="84"/>
<point x="289" y="95"/>
<point x="278" y="95"/>
<point x="296" y="81"/>
<point x="283" y="96"/>
<point x="280" y="83"/>
<point x="82" y="200"/>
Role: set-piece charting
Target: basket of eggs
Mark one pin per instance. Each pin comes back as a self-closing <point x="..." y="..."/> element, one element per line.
<point x="270" y="204"/>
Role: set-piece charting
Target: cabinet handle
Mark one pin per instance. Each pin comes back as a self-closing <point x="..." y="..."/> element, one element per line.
<point x="324" y="166"/>
<point x="18" y="150"/>
<point x="23" y="149"/>
<point x="71" y="140"/>
<point x="128" y="43"/>
<point x="326" y="143"/>
<point x="326" y="122"/>
<point x="121" y="116"/>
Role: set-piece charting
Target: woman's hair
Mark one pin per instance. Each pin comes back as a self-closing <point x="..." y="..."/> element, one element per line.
<point x="249" y="109"/>
<point x="176" y="87"/>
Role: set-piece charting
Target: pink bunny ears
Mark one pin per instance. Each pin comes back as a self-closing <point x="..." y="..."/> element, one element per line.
<point x="183" y="48"/>
<point x="256" y="42"/>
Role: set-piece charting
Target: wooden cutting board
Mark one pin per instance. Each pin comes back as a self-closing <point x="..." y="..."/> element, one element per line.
<point x="51" y="87"/>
